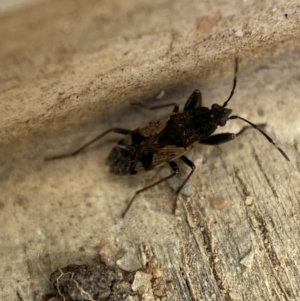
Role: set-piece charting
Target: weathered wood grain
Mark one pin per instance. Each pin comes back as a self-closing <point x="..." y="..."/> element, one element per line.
<point x="61" y="212"/>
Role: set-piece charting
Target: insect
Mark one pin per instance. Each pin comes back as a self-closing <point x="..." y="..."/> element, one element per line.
<point x="168" y="138"/>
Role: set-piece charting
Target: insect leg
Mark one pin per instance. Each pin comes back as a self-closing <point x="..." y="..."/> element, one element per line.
<point x="173" y="104"/>
<point x="175" y="172"/>
<point x="115" y="130"/>
<point x="226" y="137"/>
<point x="263" y="133"/>
<point x="194" y="101"/>
<point x="219" y="139"/>
<point x="189" y="163"/>
<point x="247" y="127"/>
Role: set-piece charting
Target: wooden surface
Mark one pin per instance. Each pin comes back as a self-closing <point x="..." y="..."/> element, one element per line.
<point x="68" y="72"/>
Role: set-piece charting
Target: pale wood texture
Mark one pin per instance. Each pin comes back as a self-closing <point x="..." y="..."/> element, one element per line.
<point x="68" y="72"/>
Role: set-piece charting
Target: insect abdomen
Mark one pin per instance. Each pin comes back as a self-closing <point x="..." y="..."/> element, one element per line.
<point x="122" y="159"/>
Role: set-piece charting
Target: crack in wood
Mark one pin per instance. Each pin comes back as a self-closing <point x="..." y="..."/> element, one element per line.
<point x="264" y="233"/>
<point x="19" y="297"/>
<point x="243" y="184"/>
<point x="180" y="284"/>
<point x="296" y="147"/>
<point x="207" y="245"/>
<point x="255" y="156"/>
<point x="186" y="278"/>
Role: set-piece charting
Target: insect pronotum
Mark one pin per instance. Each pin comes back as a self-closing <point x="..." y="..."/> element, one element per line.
<point x="163" y="140"/>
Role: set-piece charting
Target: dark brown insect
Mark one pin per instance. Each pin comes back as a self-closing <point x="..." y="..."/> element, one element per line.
<point x="168" y="138"/>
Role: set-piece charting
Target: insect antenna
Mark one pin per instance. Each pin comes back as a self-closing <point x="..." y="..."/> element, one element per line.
<point x="236" y="69"/>
<point x="262" y="132"/>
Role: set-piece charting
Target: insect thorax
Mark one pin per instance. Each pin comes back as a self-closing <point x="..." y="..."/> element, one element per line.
<point x="194" y="125"/>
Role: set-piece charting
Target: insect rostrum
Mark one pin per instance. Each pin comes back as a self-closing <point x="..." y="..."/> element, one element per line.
<point x="168" y="138"/>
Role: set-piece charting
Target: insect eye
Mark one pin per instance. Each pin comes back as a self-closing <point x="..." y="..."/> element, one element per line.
<point x="222" y="122"/>
<point x="215" y="106"/>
